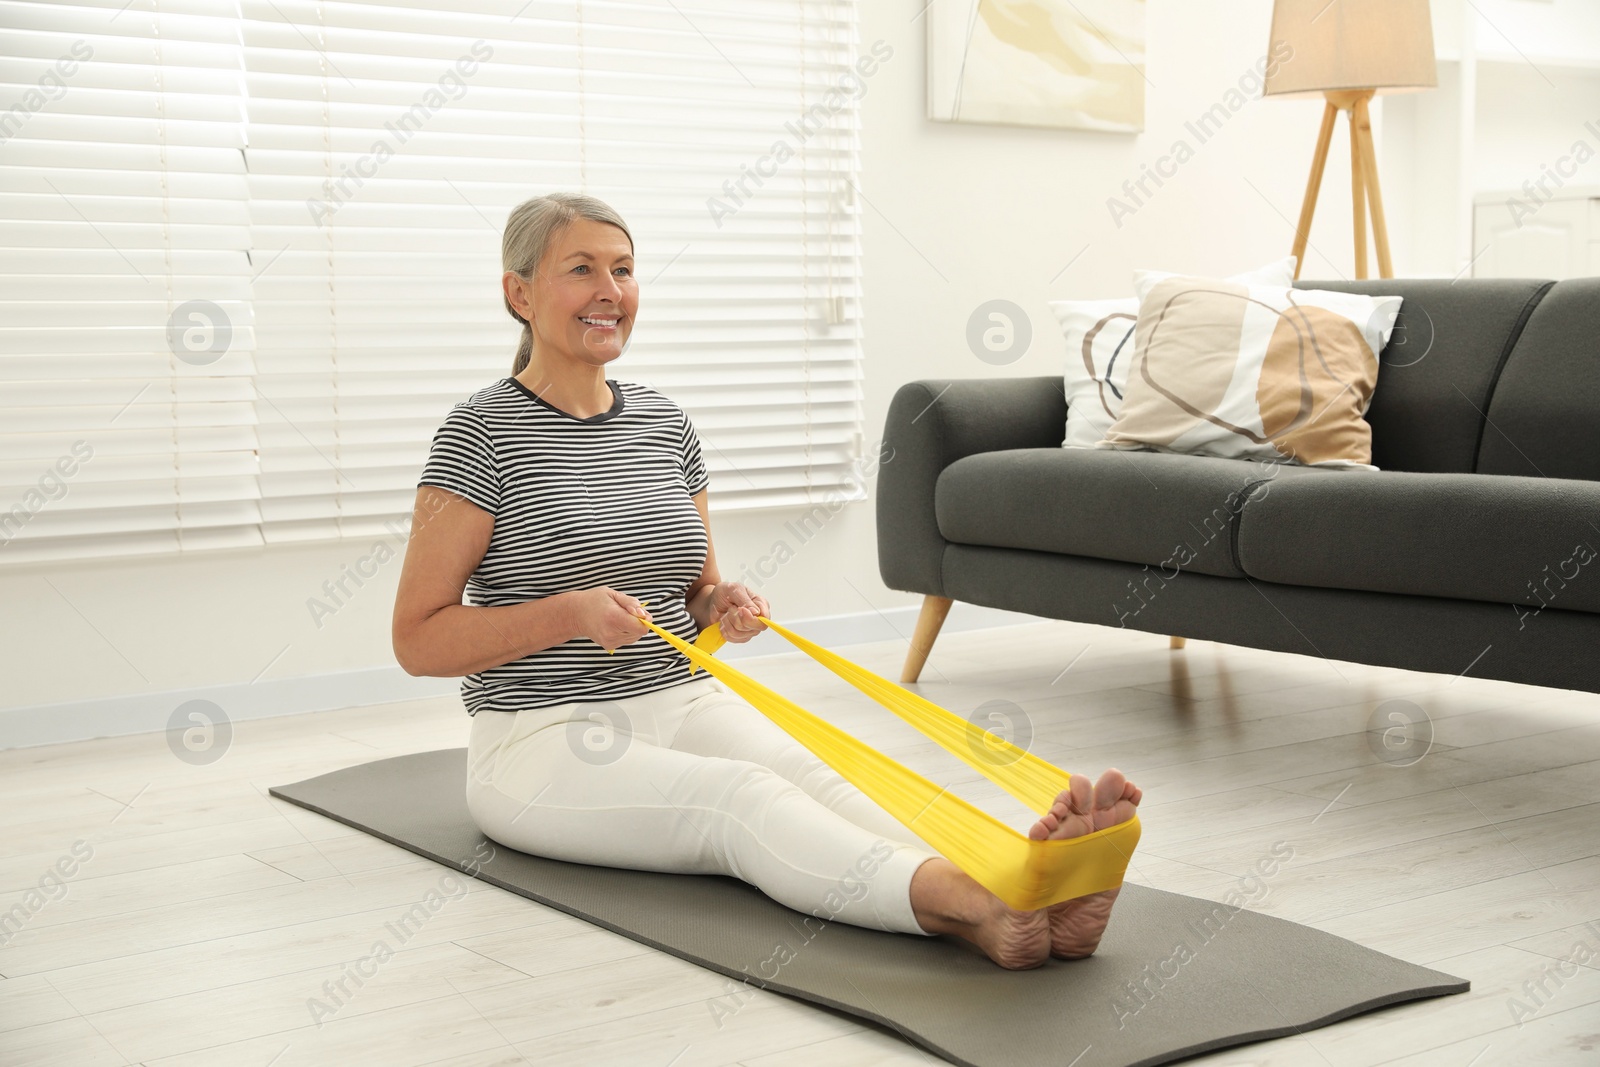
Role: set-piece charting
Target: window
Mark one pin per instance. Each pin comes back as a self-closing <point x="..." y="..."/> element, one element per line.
<point x="253" y="255"/>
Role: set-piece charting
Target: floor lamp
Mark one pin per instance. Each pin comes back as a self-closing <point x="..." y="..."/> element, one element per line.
<point x="1347" y="50"/>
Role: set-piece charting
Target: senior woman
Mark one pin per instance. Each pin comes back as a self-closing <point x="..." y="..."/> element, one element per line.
<point x="562" y="503"/>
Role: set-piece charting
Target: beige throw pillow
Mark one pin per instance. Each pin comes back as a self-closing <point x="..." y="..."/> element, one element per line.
<point x="1253" y="372"/>
<point x="1099" y="336"/>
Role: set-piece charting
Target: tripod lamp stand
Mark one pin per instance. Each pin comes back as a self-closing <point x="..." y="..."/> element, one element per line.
<point x="1348" y="50"/>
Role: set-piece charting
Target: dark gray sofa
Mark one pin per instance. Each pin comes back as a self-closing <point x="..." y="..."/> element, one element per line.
<point x="1471" y="551"/>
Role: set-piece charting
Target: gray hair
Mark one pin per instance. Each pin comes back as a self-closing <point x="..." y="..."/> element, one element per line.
<point x="530" y="229"/>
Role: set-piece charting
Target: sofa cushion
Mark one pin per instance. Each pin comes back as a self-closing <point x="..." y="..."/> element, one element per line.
<point x="1176" y="512"/>
<point x="1439" y="367"/>
<point x="1495" y="538"/>
<point x="1546" y="406"/>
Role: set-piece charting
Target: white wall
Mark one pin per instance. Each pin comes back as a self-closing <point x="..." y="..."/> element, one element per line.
<point x="960" y="215"/>
<point x="1532" y="30"/>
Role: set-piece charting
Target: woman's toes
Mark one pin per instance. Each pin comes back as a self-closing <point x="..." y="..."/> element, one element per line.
<point x="1086" y="806"/>
<point x="1114" y="799"/>
<point x="1108" y="790"/>
<point x="1070" y="815"/>
<point x="1080" y="792"/>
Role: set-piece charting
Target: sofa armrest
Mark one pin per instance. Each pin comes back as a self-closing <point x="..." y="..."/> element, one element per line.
<point x="931" y="424"/>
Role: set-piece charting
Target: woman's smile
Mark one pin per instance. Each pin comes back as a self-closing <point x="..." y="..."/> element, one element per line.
<point x="602" y="321"/>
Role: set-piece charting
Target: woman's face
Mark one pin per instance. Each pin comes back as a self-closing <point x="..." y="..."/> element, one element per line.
<point x="583" y="299"/>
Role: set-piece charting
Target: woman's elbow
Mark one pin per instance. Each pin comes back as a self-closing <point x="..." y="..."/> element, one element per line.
<point x="410" y="655"/>
<point x="407" y="662"/>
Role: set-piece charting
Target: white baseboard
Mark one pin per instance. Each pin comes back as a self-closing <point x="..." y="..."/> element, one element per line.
<point x="81" y="720"/>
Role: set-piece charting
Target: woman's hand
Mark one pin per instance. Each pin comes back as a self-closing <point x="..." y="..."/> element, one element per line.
<point x="736" y="608"/>
<point x="608" y="618"/>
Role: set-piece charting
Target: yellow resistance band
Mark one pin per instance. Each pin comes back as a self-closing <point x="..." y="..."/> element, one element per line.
<point x="1024" y="873"/>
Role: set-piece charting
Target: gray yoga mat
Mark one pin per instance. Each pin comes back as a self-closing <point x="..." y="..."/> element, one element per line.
<point x="1141" y="999"/>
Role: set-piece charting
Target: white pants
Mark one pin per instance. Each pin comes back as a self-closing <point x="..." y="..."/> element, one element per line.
<point x="693" y="780"/>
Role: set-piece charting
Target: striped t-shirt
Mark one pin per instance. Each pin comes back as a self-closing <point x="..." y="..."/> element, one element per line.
<point x="578" y="504"/>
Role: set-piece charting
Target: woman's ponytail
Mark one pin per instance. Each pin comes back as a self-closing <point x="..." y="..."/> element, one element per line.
<point x="524" y="351"/>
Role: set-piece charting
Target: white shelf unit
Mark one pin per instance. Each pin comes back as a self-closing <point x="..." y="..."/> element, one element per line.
<point x="1521" y="236"/>
<point x="1519" y="90"/>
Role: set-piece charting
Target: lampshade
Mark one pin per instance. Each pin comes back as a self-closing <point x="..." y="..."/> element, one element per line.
<point x="1350" y="44"/>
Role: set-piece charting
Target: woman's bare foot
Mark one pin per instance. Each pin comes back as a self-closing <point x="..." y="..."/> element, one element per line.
<point x="1076" y="926"/>
<point x="948" y="901"/>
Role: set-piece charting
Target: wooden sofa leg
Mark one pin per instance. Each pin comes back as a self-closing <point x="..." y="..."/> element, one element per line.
<point x="1177" y="642"/>
<point x="931" y="618"/>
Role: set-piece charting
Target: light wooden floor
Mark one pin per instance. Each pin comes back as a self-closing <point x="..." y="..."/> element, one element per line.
<point x="210" y="914"/>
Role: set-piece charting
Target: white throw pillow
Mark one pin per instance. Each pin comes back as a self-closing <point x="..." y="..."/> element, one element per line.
<point x="1099" y="336"/>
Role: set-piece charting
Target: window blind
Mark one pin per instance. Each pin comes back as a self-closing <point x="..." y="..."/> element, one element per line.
<point x="345" y="170"/>
<point x="126" y="413"/>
